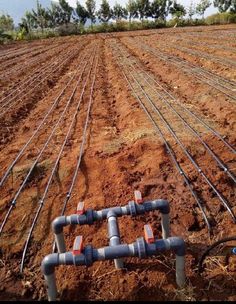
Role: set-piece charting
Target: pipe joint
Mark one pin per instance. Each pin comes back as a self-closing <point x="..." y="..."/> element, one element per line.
<point x="58" y="224"/>
<point x="111" y="213"/>
<point x="177" y="244"/>
<point x="88" y="252"/>
<point x="141" y="248"/>
<point x="89" y="216"/>
<point x="147" y="206"/>
<point x="68" y="195"/>
<point x="132" y="208"/>
<point x="49" y="263"/>
<point x="162" y="205"/>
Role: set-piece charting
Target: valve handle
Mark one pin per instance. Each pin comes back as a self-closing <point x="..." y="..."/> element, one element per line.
<point x="80" y="208"/>
<point x="138" y="197"/>
<point x="78" y="245"/>
<point x="148" y="234"/>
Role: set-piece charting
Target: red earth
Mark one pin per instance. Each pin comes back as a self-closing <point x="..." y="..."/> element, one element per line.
<point x="123" y="152"/>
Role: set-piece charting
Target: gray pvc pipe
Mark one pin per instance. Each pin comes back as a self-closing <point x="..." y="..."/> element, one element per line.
<point x="60" y="242"/>
<point x="91" y="216"/>
<point x="51" y="286"/>
<point x="139" y="248"/>
<point x="165" y="226"/>
<point x="180" y="271"/>
<point x="114" y="236"/>
<point x="119" y="263"/>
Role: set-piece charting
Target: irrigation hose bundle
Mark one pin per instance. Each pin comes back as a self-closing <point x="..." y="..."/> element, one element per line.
<point x="224" y="240"/>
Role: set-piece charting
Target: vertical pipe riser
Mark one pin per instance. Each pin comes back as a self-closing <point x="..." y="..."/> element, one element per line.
<point x="180" y="271"/>
<point x="114" y="235"/>
<point x="165" y="225"/>
<point x="119" y="263"/>
<point x="51" y="286"/>
<point x="60" y="242"/>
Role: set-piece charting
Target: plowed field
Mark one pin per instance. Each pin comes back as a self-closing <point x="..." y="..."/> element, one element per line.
<point x="98" y="117"/>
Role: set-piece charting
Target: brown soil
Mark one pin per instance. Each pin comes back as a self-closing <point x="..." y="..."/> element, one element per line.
<point x="123" y="153"/>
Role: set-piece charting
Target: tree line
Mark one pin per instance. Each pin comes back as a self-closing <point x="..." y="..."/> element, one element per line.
<point x="62" y="13"/>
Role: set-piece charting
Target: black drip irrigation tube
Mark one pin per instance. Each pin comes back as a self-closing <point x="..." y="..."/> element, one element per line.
<point x="67" y="58"/>
<point x="172" y="155"/>
<point x="24" y="86"/>
<point x="197" y="72"/>
<point x="42" y="201"/>
<point x="206" y="253"/>
<point x="214" y="132"/>
<point x="185" y="150"/>
<point x="41" y="124"/>
<point x="217" y="59"/>
<point x="164" y="99"/>
<point x="60" y="119"/>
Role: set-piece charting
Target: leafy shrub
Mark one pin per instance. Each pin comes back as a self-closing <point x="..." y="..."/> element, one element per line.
<point x="185" y="22"/>
<point x="34" y="35"/>
<point x="221" y="18"/>
<point x="70" y="29"/>
<point x="121" y="26"/>
<point x="5" y="37"/>
<point x="21" y="34"/>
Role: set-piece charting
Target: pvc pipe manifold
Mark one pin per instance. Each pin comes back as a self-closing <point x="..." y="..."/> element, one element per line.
<point x="142" y="248"/>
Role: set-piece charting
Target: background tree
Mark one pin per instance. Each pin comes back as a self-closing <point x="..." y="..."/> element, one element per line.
<point x="177" y="10"/>
<point x="40" y="17"/>
<point x="91" y="7"/>
<point x="132" y="9"/>
<point x="165" y="9"/>
<point x="30" y="20"/>
<point x="6" y="23"/>
<point x="191" y="10"/>
<point x="23" y="25"/>
<point x="222" y="5"/>
<point x="144" y="9"/>
<point x="82" y="13"/>
<point x="119" y="12"/>
<point x="160" y="9"/>
<point x="233" y="6"/>
<point x="105" y="12"/>
<point x="66" y="11"/>
<point x="56" y="15"/>
<point x="202" y="6"/>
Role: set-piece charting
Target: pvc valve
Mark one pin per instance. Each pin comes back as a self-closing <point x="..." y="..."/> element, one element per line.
<point x="138" y="197"/>
<point x="78" y="245"/>
<point x="148" y="234"/>
<point x="80" y="208"/>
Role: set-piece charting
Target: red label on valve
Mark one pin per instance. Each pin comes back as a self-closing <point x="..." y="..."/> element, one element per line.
<point x="78" y="245"/>
<point x="80" y="208"/>
<point x="138" y="197"/>
<point x="148" y="234"/>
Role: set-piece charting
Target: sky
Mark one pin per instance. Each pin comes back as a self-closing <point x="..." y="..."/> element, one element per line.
<point x="211" y="10"/>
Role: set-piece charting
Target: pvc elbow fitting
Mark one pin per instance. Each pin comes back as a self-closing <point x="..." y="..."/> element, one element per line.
<point x="163" y="206"/>
<point x="177" y="244"/>
<point x="49" y="263"/>
<point x="58" y="224"/>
